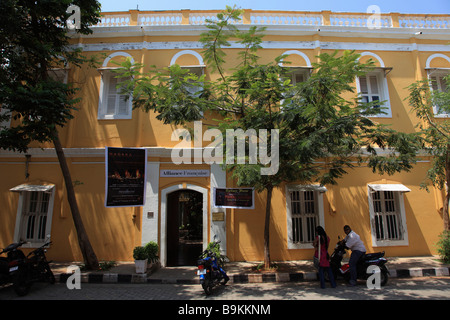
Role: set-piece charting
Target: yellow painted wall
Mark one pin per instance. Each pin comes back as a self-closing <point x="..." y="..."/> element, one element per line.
<point x="350" y="198"/>
<point x="115" y="231"/>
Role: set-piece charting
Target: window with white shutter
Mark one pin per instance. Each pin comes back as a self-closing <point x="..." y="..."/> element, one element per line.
<point x="372" y="87"/>
<point x="299" y="75"/>
<point x="305" y="212"/>
<point x="387" y="214"/>
<point x="34" y="213"/>
<point x="113" y="104"/>
<point x="438" y="83"/>
<point x="304" y="216"/>
<point x="190" y="86"/>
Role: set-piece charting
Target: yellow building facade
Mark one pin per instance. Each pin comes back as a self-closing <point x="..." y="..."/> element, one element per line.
<point x="390" y="213"/>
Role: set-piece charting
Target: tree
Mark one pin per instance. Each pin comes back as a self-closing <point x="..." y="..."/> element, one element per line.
<point x="435" y="135"/>
<point x="34" y="40"/>
<point x="315" y="133"/>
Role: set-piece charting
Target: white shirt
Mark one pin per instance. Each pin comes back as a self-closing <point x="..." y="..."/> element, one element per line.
<point x="353" y="241"/>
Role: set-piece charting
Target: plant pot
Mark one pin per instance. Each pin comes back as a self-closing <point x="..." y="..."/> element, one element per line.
<point x="141" y="266"/>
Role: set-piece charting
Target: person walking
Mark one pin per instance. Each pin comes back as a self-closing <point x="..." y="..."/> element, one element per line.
<point x="321" y="245"/>
<point x="354" y="243"/>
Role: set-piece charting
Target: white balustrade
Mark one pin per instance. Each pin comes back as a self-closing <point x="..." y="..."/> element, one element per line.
<point x="199" y="18"/>
<point x="274" y="18"/>
<point x="424" y="22"/>
<point x="355" y="20"/>
<point x="159" y="19"/>
<point x="166" y="18"/>
<point x="118" y="20"/>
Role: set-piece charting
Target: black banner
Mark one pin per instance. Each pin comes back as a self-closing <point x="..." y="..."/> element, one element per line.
<point x="238" y="198"/>
<point x="125" y="177"/>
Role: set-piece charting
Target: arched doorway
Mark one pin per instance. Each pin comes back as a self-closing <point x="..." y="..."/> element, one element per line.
<point x="184" y="227"/>
<point x="165" y="200"/>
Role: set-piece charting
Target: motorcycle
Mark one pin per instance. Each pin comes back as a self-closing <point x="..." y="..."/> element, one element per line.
<point x="32" y="268"/>
<point x="210" y="268"/>
<point x="8" y="264"/>
<point x="362" y="265"/>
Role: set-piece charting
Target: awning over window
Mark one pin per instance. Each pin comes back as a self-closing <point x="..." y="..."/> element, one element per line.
<point x="389" y="187"/>
<point x="33" y="187"/>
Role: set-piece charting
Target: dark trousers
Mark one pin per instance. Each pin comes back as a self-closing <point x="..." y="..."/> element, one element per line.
<point x="352" y="263"/>
<point x="330" y="276"/>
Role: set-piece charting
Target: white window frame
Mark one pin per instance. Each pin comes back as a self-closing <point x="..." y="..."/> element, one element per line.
<point x="107" y="75"/>
<point x="383" y="93"/>
<point x="293" y="71"/>
<point x="439" y="73"/>
<point x="198" y="70"/>
<point x="318" y="197"/>
<point x="24" y="202"/>
<point x="398" y="201"/>
<point x="304" y="71"/>
<point x="6" y="124"/>
<point x="61" y="74"/>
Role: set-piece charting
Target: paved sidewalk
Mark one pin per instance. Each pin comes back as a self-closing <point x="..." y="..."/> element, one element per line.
<point x="243" y="272"/>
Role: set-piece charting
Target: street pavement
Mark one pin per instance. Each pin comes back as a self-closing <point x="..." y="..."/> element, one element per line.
<point x="401" y="297"/>
<point x="243" y="272"/>
<point x="177" y="289"/>
<point x="423" y="288"/>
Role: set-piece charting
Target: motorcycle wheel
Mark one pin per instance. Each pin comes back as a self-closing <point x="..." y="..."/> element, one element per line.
<point x="49" y="276"/>
<point x="207" y="286"/>
<point x="21" y="285"/>
<point x="384" y="277"/>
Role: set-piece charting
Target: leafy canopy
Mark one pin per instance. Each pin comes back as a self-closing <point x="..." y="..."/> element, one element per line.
<point x="321" y="134"/>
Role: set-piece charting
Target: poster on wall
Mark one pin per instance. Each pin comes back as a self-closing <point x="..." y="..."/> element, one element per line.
<point x="126" y="170"/>
<point x="237" y="198"/>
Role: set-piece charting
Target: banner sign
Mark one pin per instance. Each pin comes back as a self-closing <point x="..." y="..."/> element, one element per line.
<point x="184" y="173"/>
<point x="126" y="170"/>
<point x="238" y="198"/>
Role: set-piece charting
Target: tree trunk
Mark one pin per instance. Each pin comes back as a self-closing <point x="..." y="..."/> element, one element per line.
<point x="266" y="229"/>
<point x="89" y="256"/>
<point x="445" y="215"/>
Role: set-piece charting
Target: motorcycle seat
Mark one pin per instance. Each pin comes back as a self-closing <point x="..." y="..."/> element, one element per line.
<point x="372" y="256"/>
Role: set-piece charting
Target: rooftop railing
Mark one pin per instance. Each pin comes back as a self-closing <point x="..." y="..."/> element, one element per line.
<point x="280" y="18"/>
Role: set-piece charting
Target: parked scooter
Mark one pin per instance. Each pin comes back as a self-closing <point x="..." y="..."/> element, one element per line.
<point x="210" y="269"/>
<point x="32" y="268"/>
<point x="8" y="263"/>
<point x="362" y="265"/>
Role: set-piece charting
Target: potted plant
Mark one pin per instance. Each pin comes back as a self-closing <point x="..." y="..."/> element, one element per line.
<point x="140" y="259"/>
<point x="152" y="250"/>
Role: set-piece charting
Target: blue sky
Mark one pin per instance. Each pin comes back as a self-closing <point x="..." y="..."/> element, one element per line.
<point x="402" y="6"/>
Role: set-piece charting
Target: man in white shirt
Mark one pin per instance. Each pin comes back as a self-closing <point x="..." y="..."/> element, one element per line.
<point x="354" y="243"/>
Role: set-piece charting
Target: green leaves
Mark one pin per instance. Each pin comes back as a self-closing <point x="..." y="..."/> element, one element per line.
<point x="433" y="132"/>
<point x="216" y="38"/>
<point x="177" y="95"/>
<point x="322" y="134"/>
<point x="33" y="41"/>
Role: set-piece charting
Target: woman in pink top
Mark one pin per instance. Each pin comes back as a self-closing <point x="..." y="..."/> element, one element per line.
<point x="321" y="241"/>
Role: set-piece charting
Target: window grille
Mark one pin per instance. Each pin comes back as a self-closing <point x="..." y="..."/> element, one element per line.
<point x="304" y="216"/>
<point x="34" y="218"/>
<point x="387" y="217"/>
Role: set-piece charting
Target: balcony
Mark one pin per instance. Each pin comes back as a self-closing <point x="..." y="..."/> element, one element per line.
<point x="279" y="18"/>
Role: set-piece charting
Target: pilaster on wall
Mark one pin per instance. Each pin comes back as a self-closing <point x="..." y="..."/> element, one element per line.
<point x="218" y="228"/>
<point x="150" y="209"/>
